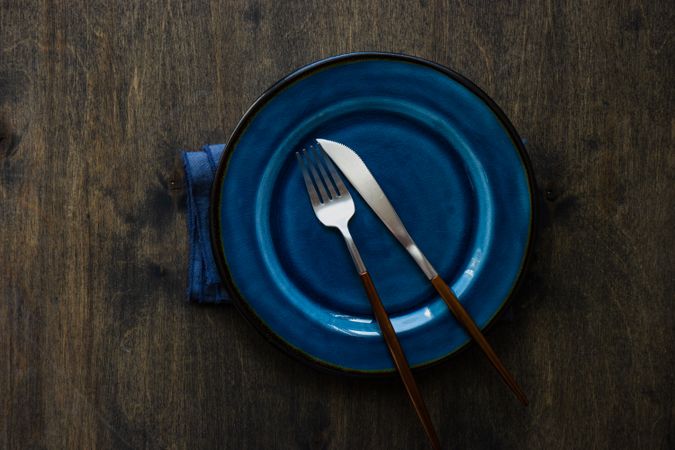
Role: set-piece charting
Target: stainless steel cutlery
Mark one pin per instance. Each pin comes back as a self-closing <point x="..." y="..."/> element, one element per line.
<point x="334" y="207"/>
<point x="351" y="165"/>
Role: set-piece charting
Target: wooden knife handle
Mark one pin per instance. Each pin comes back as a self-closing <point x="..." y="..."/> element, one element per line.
<point x="399" y="359"/>
<point x="475" y="333"/>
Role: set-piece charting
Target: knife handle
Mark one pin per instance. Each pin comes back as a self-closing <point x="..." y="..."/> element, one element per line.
<point x="399" y="359"/>
<point x="463" y="317"/>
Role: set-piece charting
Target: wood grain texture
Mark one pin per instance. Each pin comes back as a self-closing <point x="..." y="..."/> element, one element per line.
<point x="98" y="348"/>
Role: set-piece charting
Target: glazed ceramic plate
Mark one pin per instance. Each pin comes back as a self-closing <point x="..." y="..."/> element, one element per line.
<point x="452" y="166"/>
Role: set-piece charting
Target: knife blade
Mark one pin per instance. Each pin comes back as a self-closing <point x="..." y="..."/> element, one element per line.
<point x="356" y="171"/>
<point x="360" y="177"/>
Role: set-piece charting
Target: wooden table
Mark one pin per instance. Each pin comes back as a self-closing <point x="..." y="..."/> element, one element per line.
<point x="98" y="348"/>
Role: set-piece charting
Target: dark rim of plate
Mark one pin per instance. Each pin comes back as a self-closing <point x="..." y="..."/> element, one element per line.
<point x="295" y="76"/>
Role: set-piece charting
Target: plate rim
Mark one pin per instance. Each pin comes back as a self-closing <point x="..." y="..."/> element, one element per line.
<point x="214" y="206"/>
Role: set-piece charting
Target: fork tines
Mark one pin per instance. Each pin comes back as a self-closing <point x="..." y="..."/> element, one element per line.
<point x="322" y="186"/>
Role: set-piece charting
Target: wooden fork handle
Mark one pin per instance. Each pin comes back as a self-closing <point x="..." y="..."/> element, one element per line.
<point x="463" y="317"/>
<point x="399" y="359"/>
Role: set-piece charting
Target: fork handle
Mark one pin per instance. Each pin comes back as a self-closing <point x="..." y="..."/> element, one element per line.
<point x="399" y="359"/>
<point x="463" y="317"/>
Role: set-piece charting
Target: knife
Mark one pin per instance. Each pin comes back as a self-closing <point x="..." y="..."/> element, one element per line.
<point x="363" y="181"/>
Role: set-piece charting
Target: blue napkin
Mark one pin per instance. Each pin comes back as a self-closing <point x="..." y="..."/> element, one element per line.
<point x="204" y="282"/>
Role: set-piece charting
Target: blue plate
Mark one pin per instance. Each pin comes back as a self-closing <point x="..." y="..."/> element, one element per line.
<point x="452" y="166"/>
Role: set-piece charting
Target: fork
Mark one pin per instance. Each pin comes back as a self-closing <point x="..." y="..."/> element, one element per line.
<point x="334" y="207"/>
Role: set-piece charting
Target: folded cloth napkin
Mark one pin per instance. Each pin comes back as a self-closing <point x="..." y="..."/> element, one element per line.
<point x="204" y="282"/>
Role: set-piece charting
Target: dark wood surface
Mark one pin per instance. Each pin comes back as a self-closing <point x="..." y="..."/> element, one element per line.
<point x="98" y="348"/>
